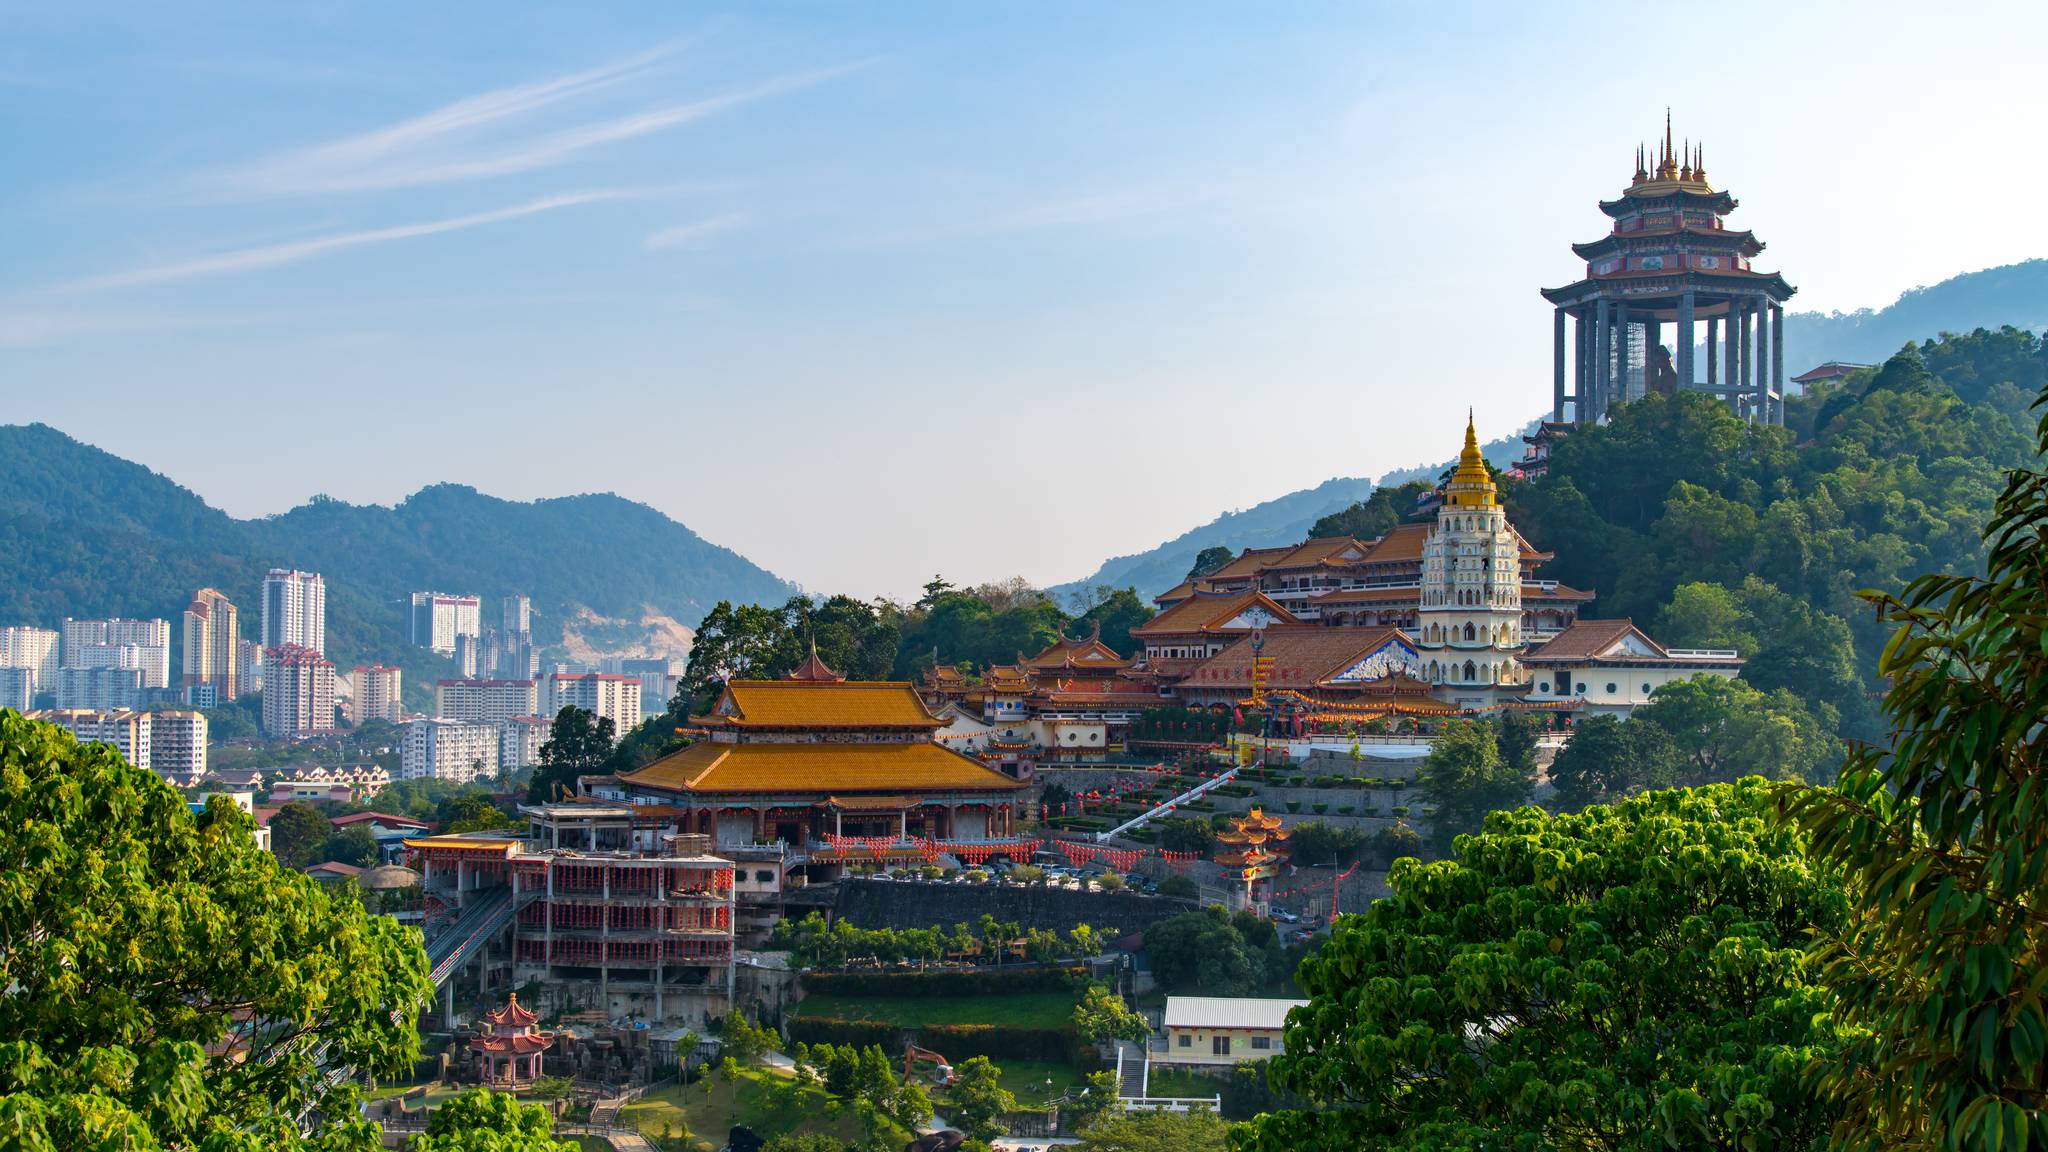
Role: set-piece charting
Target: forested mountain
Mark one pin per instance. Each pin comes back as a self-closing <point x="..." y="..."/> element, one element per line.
<point x="1283" y="520"/>
<point x="86" y="533"/>
<point x="2016" y="294"/>
<point x="1720" y="533"/>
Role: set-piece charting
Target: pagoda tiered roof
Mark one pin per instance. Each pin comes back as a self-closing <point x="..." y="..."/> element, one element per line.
<point x="1066" y="654"/>
<point x="512" y="1015"/>
<point x="1212" y="613"/>
<point x="1744" y="242"/>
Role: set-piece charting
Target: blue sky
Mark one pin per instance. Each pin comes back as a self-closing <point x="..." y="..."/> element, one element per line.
<point x="873" y="292"/>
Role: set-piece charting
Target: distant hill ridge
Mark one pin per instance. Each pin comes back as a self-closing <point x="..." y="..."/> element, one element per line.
<point x="85" y="533"/>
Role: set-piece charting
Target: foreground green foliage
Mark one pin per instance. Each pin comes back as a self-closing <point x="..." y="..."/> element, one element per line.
<point x="487" y="1121"/>
<point x="1942" y="975"/>
<point x="168" y="984"/>
<point x="1155" y="1132"/>
<point x="1631" y="977"/>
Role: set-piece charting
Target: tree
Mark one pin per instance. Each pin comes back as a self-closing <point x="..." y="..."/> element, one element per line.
<point x="1320" y="842"/>
<point x="1629" y="977"/>
<point x="1395" y="841"/>
<point x="1095" y="1100"/>
<point x="1516" y="739"/>
<point x="1939" y="977"/>
<point x="743" y="1041"/>
<point x="1101" y="1015"/>
<point x="1110" y="882"/>
<point x="1180" y="887"/>
<point x="352" y="845"/>
<point x="979" y="1099"/>
<point x="298" y="832"/>
<point x="1464" y="778"/>
<point x="138" y="1001"/>
<point x="577" y="745"/>
<point x="1372" y="517"/>
<point x="1723" y="730"/>
<point x="1705" y="615"/>
<point x="1609" y="758"/>
<point x="1198" y="1131"/>
<point x="1185" y="833"/>
<point x="1209" y="559"/>
<point x="804" y="1142"/>
<point x="1203" y="949"/>
<point x="471" y="811"/>
<point x="1116" y="614"/>
<point x="485" y="1121"/>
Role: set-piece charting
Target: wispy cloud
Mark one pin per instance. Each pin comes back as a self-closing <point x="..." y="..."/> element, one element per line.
<point x="417" y="152"/>
<point x="276" y="255"/>
<point x="1149" y="202"/>
<point x="684" y="234"/>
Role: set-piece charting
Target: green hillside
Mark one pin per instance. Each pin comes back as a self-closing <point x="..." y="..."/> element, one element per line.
<point x="86" y="533"/>
<point x="2015" y="294"/>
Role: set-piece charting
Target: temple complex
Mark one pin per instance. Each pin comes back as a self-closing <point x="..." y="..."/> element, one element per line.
<point x="1670" y="258"/>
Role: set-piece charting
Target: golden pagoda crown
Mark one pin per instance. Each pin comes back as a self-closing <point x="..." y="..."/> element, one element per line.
<point x="1471" y="485"/>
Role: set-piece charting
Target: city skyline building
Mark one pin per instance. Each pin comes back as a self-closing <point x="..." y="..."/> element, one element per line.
<point x="209" y="656"/>
<point x="602" y="694"/>
<point x="101" y="688"/>
<point x="298" y="691"/>
<point x="294" y="610"/>
<point x="37" y="649"/>
<point x="459" y="751"/>
<point x="121" y="643"/>
<point x="438" y="618"/>
<point x="379" y="689"/>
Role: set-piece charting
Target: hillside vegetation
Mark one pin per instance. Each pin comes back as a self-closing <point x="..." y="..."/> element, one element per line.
<point x="1716" y="532"/>
<point x="85" y="533"/>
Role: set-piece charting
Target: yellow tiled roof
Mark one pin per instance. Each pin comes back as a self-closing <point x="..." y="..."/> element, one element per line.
<point x="1208" y="613"/>
<point x="822" y="704"/>
<point x="834" y="769"/>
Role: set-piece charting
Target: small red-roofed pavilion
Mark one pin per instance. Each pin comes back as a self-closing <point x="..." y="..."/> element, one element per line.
<point x="508" y="1047"/>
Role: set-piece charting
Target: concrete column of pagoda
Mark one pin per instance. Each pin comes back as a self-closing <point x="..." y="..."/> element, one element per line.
<point x="1557" y="365"/>
<point x="1620" y="328"/>
<point x="1683" y="339"/>
<point x="1763" y="360"/>
<point x="1581" y="335"/>
<point x="1653" y="337"/>
<point x="1745" y="353"/>
<point x="1713" y="362"/>
<point x="1603" y="355"/>
<point x="1778" y="358"/>
<point x="1731" y="325"/>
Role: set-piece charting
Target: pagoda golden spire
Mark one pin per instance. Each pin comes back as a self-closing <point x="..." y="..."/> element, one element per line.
<point x="1471" y="485"/>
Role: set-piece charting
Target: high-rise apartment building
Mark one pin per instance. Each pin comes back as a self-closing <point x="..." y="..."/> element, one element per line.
<point x="104" y="688"/>
<point x="117" y="643"/>
<point x="36" y="649"/>
<point x="516" y="614"/>
<point x="177" y="746"/>
<point x="211" y="635"/>
<point x="294" y="610"/>
<point x="377" y="692"/>
<point x="127" y="731"/>
<point x="469" y="655"/>
<point x="657" y="676"/>
<point x="248" y="666"/>
<point x="298" y="691"/>
<point x="455" y="750"/>
<point x="485" y="701"/>
<point x="602" y="694"/>
<point x="17" y="688"/>
<point x="438" y="618"/>
<point x="519" y="741"/>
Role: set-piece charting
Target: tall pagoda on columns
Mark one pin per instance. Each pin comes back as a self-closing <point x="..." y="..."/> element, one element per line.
<point x="1669" y="259"/>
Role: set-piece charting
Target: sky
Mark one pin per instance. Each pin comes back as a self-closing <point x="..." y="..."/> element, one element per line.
<point x="874" y="292"/>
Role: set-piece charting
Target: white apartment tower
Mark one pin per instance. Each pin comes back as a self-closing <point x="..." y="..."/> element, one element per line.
<point x="294" y="610"/>
<point x="484" y="701"/>
<point x="438" y="618"/>
<point x="118" y="643"/>
<point x="598" y="693"/>
<point x="1469" y="629"/>
<point x="454" y="750"/>
<point x="177" y="746"/>
<point x="36" y="649"/>
<point x="127" y="731"/>
<point x="211" y="633"/>
<point x="298" y="692"/>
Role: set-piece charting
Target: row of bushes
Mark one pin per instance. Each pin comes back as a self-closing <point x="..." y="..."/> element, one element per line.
<point x="948" y="982"/>
<point x="957" y="1041"/>
<point x="1400" y="811"/>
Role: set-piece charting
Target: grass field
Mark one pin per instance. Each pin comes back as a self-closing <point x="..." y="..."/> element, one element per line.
<point x="1024" y="1010"/>
<point x="709" y="1108"/>
<point x="1026" y="1079"/>
<point x="1178" y="1082"/>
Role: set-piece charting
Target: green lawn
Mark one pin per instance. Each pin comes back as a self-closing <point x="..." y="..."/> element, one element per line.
<point x="1026" y="1079"/>
<point x="709" y="1108"/>
<point x="1175" y="1082"/>
<point x="1023" y="1010"/>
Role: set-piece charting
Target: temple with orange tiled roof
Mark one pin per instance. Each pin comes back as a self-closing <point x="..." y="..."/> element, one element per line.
<point x="818" y="755"/>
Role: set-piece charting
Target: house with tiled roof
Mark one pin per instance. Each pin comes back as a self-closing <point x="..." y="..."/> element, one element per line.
<point x="1612" y="666"/>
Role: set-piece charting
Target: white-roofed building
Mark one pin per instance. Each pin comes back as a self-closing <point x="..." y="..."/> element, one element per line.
<point x="1223" y="1031"/>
